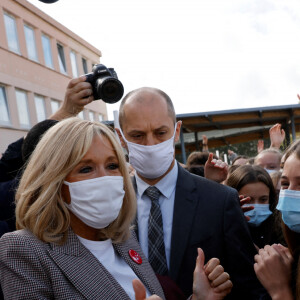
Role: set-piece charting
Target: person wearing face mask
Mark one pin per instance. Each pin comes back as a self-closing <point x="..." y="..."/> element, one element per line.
<point x="269" y="159"/>
<point x="187" y="211"/>
<point x="278" y="268"/>
<point x="74" y="207"/>
<point x="255" y="184"/>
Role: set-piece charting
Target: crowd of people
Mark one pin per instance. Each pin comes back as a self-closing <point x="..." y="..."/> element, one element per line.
<point x="79" y="222"/>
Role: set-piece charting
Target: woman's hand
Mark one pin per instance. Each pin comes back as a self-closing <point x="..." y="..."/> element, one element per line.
<point x="210" y="281"/>
<point x="273" y="268"/>
<point x="140" y="291"/>
<point x="245" y="200"/>
<point x="215" y="169"/>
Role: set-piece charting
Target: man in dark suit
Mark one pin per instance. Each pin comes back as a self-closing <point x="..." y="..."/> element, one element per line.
<point x="195" y="212"/>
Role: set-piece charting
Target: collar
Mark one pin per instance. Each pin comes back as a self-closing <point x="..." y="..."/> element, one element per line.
<point x="166" y="185"/>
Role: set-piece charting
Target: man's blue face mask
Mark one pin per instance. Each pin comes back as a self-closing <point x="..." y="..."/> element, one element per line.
<point x="259" y="214"/>
<point x="289" y="205"/>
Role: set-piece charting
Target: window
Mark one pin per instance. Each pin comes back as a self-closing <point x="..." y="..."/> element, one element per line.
<point x="80" y="115"/>
<point x="61" y="59"/>
<point x="84" y="66"/>
<point x="22" y="108"/>
<point x="30" y="43"/>
<point x="4" y="115"/>
<point x="54" y="106"/>
<point x="100" y="118"/>
<point x="47" y="51"/>
<point x="74" y="63"/>
<point x="11" y="33"/>
<point x="40" y="108"/>
<point x="91" y="116"/>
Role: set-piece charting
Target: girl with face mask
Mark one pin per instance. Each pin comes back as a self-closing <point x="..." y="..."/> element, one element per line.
<point x="255" y="184"/>
<point x="278" y="268"/>
<point x="75" y="206"/>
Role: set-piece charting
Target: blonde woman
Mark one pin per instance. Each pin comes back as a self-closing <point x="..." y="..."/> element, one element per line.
<point x="75" y="204"/>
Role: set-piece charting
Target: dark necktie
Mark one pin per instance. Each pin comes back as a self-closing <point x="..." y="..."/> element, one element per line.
<point x="156" y="246"/>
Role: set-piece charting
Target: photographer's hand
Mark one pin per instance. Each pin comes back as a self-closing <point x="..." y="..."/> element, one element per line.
<point x="78" y="94"/>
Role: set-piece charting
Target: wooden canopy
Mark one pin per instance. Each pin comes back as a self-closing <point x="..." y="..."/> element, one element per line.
<point x="235" y="126"/>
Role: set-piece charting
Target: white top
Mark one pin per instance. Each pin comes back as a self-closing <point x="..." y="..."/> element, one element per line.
<point x="166" y="201"/>
<point x="114" y="263"/>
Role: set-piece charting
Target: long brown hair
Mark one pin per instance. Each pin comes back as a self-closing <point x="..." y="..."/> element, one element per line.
<point x="293" y="238"/>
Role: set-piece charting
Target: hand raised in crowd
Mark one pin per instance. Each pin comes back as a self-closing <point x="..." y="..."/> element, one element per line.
<point x="277" y="136"/>
<point x="243" y="201"/>
<point x="215" y="169"/>
<point x="140" y="291"/>
<point x="273" y="268"/>
<point x="78" y="94"/>
<point x="260" y="146"/>
<point x="210" y="280"/>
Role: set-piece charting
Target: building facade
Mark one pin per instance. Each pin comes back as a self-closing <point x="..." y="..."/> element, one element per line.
<point x="38" y="57"/>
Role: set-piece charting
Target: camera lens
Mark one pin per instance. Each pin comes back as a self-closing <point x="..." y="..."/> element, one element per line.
<point x="110" y="90"/>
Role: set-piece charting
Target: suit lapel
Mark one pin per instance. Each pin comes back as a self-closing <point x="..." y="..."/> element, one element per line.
<point x="143" y="271"/>
<point x="183" y="216"/>
<point x="84" y="271"/>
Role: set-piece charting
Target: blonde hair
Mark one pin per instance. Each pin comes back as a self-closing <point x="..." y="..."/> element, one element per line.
<point x="40" y="207"/>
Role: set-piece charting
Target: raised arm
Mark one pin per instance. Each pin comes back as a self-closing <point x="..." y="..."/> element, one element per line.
<point x="277" y="136"/>
<point x="78" y="94"/>
<point x="215" y="169"/>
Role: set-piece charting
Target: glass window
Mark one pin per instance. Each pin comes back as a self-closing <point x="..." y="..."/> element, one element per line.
<point x="54" y="106"/>
<point x="22" y="105"/>
<point x="30" y="43"/>
<point x="100" y="118"/>
<point x="91" y="116"/>
<point x="4" y="115"/>
<point x="47" y="51"/>
<point x="74" y="64"/>
<point x="11" y="33"/>
<point x="80" y="115"/>
<point x="61" y="59"/>
<point x="40" y="108"/>
<point x="84" y="66"/>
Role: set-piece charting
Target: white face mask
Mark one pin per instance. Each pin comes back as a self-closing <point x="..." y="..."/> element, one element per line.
<point x="96" y="202"/>
<point x="151" y="161"/>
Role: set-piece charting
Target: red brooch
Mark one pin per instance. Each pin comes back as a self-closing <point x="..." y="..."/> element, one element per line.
<point x="135" y="256"/>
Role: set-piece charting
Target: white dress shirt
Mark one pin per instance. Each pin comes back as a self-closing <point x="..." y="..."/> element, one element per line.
<point x="114" y="264"/>
<point x="166" y="201"/>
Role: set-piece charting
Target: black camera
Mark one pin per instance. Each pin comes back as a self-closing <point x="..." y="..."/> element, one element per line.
<point x="105" y="84"/>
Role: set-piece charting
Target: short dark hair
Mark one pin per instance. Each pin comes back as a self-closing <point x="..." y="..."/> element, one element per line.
<point x="168" y="100"/>
<point x="198" y="158"/>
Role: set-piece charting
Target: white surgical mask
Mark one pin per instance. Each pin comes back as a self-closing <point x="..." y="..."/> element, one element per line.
<point x="289" y="205"/>
<point x="259" y="214"/>
<point x="96" y="202"/>
<point x="151" y="161"/>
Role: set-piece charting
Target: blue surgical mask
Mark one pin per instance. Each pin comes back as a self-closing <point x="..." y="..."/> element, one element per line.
<point x="259" y="214"/>
<point x="289" y="205"/>
<point x="270" y="171"/>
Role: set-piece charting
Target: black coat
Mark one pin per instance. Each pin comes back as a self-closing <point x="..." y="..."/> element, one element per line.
<point x="208" y="215"/>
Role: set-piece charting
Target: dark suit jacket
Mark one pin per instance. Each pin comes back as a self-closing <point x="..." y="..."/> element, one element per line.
<point x="208" y="215"/>
<point x="31" y="269"/>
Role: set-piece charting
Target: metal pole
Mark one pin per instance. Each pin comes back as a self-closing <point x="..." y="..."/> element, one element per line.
<point x="293" y="126"/>
<point x="183" y="154"/>
<point x="197" y="141"/>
